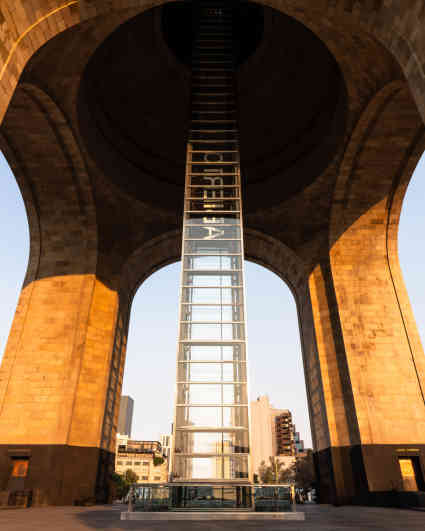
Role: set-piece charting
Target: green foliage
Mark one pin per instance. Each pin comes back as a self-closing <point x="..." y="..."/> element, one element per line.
<point x="130" y="477"/>
<point x="157" y="460"/>
<point x="272" y="472"/>
<point x="287" y="475"/>
<point x="119" y="486"/>
<point x="301" y="472"/>
<point x="305" y="476"/>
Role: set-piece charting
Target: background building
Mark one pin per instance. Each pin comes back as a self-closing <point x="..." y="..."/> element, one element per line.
<point x="144" y="458"/>
<point x="272" y="434"/>
<point x="125" y="417"/>
<point x="165" y="441"/>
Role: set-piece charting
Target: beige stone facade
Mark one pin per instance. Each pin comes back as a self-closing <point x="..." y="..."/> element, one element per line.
<point x="136" y="456"/>
<point x="264" y="439"/>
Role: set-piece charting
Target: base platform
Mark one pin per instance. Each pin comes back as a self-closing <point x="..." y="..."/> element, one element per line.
<point x="209" y="515"/>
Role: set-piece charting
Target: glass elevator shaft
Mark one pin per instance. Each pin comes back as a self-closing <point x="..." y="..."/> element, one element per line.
<point x="211" y="431"/>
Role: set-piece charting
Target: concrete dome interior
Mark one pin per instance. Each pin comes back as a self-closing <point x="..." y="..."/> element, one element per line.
<point x="134" y="105"/>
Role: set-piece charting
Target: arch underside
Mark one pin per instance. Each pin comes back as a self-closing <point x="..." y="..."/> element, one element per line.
<point x="334" y="243"/>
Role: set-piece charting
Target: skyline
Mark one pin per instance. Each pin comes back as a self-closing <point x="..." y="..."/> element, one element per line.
<point x="15" y="244"/>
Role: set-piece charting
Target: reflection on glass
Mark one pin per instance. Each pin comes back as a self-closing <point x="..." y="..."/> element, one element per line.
<point x="212" y="331"/>
<point x="213" y="263"/>
<point x="197" y="468"/>
<point x="212" y="295"/>
<point x="208" y="352"/>
<point x="213" y="313"/>
<point x="212" y="372"/>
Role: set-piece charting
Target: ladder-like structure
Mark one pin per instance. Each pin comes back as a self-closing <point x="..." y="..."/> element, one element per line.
<point x="211" y="431"/>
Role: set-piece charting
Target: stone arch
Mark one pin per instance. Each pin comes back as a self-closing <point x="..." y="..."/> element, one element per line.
<point x="400" y="29"/>
<point x="87" y="300"/>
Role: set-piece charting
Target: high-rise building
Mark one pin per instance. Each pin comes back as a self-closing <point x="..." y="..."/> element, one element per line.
<point x="284" y="433"/>
<point x="211" y="435"/>
<point x="272" y="434"/>
<point x="125" y="417"/>
<point x="298" y="443"/>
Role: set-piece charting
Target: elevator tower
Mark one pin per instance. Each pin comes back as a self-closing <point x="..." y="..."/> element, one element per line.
<point x="211" y="431"/>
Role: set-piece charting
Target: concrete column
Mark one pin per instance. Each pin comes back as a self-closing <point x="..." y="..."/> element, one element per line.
<point x="53" y="385"/>
<point x="371" y="359"/>
<point x="56" y="370"/>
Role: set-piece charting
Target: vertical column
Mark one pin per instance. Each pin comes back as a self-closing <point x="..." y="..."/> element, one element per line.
<point x="211" y="416"/>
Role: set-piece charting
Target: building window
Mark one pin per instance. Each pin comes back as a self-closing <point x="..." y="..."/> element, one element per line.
<point x="157" y="478"/>
<point x="145" y="478"/>
<point x="119" y="463"/>
<point x="128" y="463"/>
<point x="145" y="463"/>
<point x="411" y="473"/>
<point x="136" y="463"/>
<point x="20" y="468"/>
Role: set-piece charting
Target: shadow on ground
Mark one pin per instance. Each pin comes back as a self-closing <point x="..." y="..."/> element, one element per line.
<point x="107" y="518"/>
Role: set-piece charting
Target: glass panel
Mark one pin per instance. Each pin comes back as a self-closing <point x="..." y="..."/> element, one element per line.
<point x="202" y="331"/>
<point x="212" y="263"/>
<point x="212" y="372"/>
<point x="207" y="417"/>
<point x="189" y="442"/>
<point x="211" y="180"/>
<point x="234" y="394"/>
<point x="212" y="467"/>
<point x="234" y="372"/>
<point x="199" y="394"/>
<point x="211" y="313"/>
<point x="202" y="280"/>
<point x="233" y="352"/>
<point x="212" y="247"/>
<point x="235" y="467"/>
<point x="201" y="372"/>
<point x="235" y="417"/>
<point x="208" y="497"/>
<point x="213" y="295"/>
<point x="201" y="352"/>
<point x="212" y="231"/>
<point x="211" y="331"/>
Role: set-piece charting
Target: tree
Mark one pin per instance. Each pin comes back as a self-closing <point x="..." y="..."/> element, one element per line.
<point x="130" y="476"/>
<point x="119" y="486"/>
<point x="305" y="476"/>
<point x="272" y="472"/>
<point x="157" y="460"/>
<point x="287" y="475"/>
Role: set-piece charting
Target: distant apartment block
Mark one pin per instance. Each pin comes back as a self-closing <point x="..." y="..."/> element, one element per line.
<point x="125" y="417"/>
<point x="144" y="458"/>
<point x="272" y="434"/>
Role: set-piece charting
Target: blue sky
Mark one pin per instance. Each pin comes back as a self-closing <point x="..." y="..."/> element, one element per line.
<point x="273" y="338"/>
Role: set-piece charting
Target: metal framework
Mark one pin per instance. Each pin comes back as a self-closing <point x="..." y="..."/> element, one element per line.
<point x="211" y="431"/>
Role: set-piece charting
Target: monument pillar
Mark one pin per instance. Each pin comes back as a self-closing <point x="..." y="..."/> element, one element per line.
<point x="53" y="385"/>
<point x="371" y="359"/>
<point x="58" y="366"/>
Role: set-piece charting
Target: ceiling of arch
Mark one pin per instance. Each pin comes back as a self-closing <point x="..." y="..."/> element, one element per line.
<point x="135" y="106"/>
<point x="137" y="200"/>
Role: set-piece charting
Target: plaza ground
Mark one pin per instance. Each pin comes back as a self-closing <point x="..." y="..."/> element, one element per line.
<point x="318" y="518"/>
